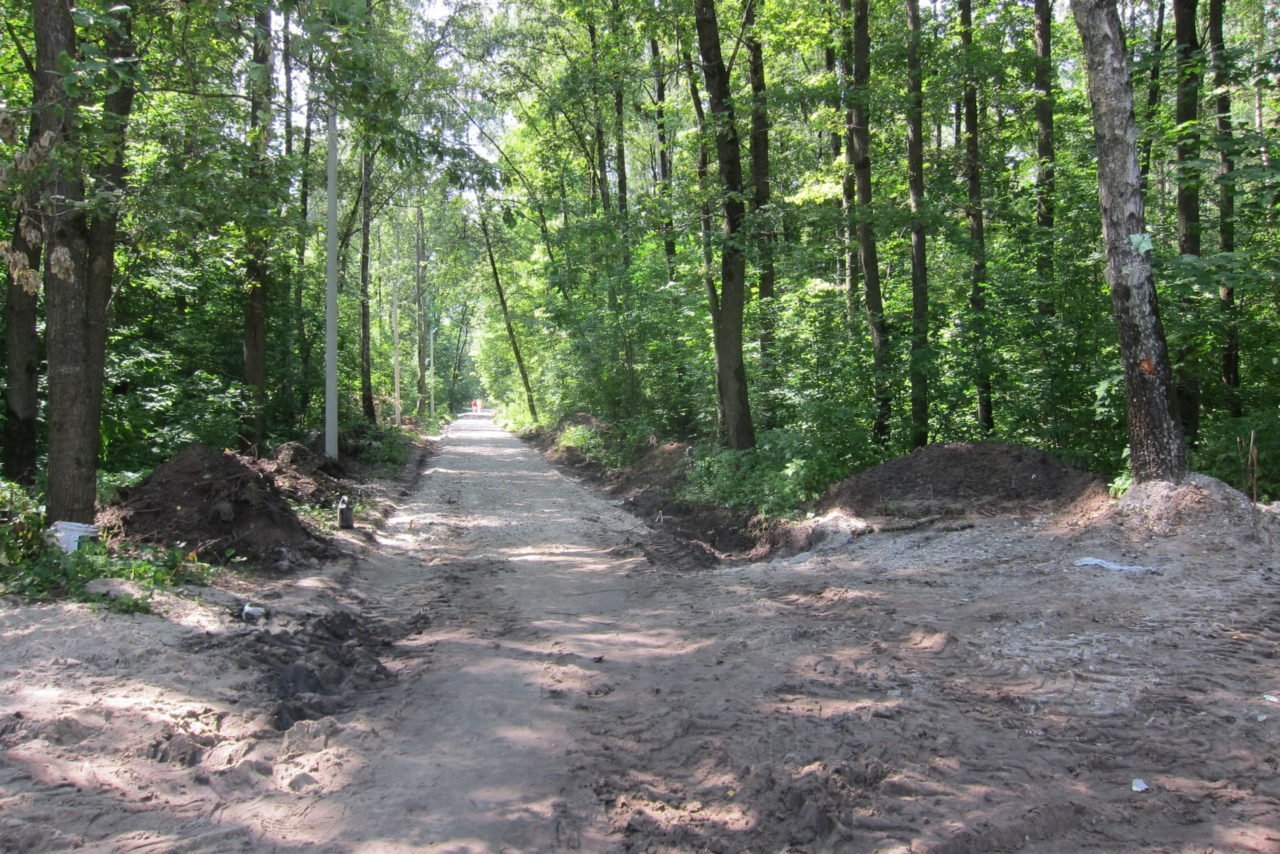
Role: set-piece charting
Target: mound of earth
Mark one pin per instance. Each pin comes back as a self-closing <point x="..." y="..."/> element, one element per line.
<point x="1199" y="505"/>
<point x="217" y="504"/>
<point x="298" y="474"/>
<point x="960" y="477"/>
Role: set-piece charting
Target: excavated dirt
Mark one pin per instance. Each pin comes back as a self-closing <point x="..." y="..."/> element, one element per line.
<point x="514" y="663"/>
<point x="960" y="478"/>
<point x="219" y="505"/>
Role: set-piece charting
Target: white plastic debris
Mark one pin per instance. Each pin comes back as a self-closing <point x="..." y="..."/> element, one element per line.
<point x="67" y="535"/>
<point x="1271" y="698"/>
<point x="1139" y="785"/>
<point x="1106" y="564"/>
<point x="252" y="613"/>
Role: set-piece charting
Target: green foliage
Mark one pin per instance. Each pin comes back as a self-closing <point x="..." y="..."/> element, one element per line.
<point x="598" y="445"/>
<point x="785" y="470"/>
<point x="44" y="571"/>
<point x="383" y="446"/>
<point x="21" y="526"/>
<point x="1224" y="453"/>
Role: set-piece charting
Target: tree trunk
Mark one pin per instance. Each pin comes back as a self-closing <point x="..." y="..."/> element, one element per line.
<point x="1226" y="203"/>
<point x="973" y="211"/>
<point x="305" y="342"/>
<point x="727" y="308"/>
<point x="73" y="424"/>
<point x="257" y="268"/>
<point x="367" y="407"/>
<point x="506" y="318"/>
<point x="919" y="368"/>
<point x="1156" y="450"/>
<point x="1187" y="153"/>
<point x="22" y="341"/>
<point x="601" y="161"/>
<point x="856" y="62"/>
<point x="1045" y="190"/>
<point x="762" y="195"/>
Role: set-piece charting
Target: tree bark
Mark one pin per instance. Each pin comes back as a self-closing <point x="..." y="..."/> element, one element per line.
<point x="727" y="308"/>
<point x="506" y="318"/>
<point x="1156" y="450"/>
<point x="974" y="213"/>
<point x="856" y="62"/>
<point x="22" y="340"/>
<point x="919" y="368"/>
<point x="367" y="407"/>
<point x="704" y="207"/>
<point x="1226" y="203"/>
<point x="257" y="268"/>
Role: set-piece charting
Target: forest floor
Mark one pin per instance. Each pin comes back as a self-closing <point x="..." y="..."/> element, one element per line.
<point x="511" y="661"/>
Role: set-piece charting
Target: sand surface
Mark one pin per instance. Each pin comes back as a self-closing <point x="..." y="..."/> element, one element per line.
<point x="515" y="663"/>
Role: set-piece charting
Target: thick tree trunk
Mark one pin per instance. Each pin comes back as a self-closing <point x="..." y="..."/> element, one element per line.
<point x="1187" y="154"/>
<point x="1156" y="450"/>
<point x="919" y="368"/>
<point x="22" y="342"/>
<point x="856" y="62"/>
<point x="257" y="268"/>
<point x="506" y="319"/>
<point x="762" y="195"/>
<point x="977" y="236"/>
<point x="79" y="263"/>
<point x="1045" y="189"/>
<point x="1226" y="203"/>
<point x="367" y="407"/>
<point x="727" y="308"/>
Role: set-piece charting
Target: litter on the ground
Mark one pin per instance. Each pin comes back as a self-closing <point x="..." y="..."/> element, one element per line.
<point x="1271" y="698"/>
<point x="1106" y="564"/>
<point x="1139" y="785"/>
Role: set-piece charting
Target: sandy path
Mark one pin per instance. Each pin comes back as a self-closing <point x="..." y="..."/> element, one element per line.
<point x="529" y="610"/>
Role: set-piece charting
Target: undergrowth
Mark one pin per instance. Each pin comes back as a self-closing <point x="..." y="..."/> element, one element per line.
<point x="32" y="567"/>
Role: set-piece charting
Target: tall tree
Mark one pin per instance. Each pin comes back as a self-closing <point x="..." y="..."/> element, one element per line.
<point x="974" y="213"/>
<point x="257" y="230"/>
<point x="1226" y="202"/>
<point x="78" y="251"/>
<point x="367" y="408"/>
<point x="506" y="319"/>
<point x="1156" y="449"/>
<point x="919" y="368"/>
<point x="728" y="305"/>
<point x="762" y="191"/>
<point x="856" y="64"/>
<point x="1187" y="153"/>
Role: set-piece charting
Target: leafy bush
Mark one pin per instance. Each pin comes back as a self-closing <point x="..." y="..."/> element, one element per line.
<point x="781" y="473"/>
<point x="31" y="566"/>
<point x="597" y="445"/>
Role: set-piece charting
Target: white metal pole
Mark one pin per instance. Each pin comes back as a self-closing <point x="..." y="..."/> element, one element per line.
<point x="331" y="300"/>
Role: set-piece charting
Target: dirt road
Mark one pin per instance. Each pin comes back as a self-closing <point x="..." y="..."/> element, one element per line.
<point x="516" y="664"/>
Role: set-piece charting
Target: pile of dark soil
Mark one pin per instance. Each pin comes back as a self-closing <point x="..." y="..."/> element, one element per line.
<point x="960" y="478"/>
<point x="219" y="504"/>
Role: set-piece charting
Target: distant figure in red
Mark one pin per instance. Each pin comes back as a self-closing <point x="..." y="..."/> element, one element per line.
<point x="475" y="406"/>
